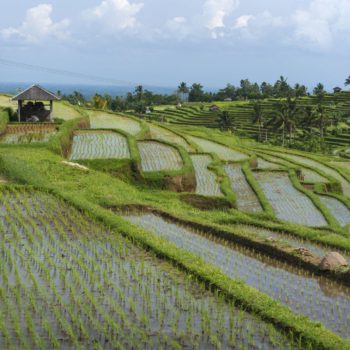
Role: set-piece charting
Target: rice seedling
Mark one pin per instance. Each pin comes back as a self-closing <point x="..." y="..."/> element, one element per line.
<point x="156" y="156"/>
<point x="99" y="145"/>
<point x="67" y="282"/>
<point x="318" y="298"/>
<point x="206" y="180"/>
<point x="246" y="197"/>
<point x="289" y="204"/>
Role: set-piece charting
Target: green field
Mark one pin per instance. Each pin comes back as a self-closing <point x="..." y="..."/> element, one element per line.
<point x="174" y="235"/>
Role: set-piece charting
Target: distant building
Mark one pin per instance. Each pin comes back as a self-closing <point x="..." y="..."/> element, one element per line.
<point x="228" y="99"/>
<point x="31" y="104"/>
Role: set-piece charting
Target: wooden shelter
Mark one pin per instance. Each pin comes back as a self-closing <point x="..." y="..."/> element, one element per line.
<point x="34" y="109"/>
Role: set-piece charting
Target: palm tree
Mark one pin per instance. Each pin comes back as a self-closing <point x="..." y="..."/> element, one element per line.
<point x="285" y="118"/>
<point x="347" y="81"/>
<point x="321" y="118"/>
<point x="258" y="116"/>
<point x="183" y="89"/>
<point x="226" y="121"/>
<point x="139" y="92"/>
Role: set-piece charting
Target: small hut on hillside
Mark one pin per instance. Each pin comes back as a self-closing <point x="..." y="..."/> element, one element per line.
<point x="214" y="108"/>
<point x="31" y="104"/>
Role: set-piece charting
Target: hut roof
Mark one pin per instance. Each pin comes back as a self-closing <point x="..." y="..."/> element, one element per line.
<point x="35" y="92"/>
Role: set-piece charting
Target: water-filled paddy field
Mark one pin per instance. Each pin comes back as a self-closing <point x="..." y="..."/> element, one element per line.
<point x="247" y="200"/>
<point x="288" y="203"/>
<point x="318" y="298"/>
<point x="69" y="283"/>
<point x="207" y="184"/>
<point x="99" y="145"/>
<point x="160" y="133"/>
<point x="338" y="209"/>
<point x="156" y="156"/>
<point x="292" y="241"/>
<point x="317" y="165"/>
<point x="103" y="120"/>
<point x="223" y="152"/>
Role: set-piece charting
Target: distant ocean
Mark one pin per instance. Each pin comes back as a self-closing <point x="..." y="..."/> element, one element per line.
<point x="86" y="90"/>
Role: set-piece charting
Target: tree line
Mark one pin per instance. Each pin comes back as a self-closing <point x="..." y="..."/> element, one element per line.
<point x="141" y="99"/>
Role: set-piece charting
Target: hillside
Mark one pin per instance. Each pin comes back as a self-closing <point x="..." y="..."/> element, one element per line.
<point x="242" y="112"/>
<point x="170" y="231"/>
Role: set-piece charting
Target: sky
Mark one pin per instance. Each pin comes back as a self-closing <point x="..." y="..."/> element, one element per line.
<point x="164" y="42"/>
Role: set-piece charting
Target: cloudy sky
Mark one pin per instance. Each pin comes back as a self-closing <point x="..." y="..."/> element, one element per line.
<point x="163" y="42"/>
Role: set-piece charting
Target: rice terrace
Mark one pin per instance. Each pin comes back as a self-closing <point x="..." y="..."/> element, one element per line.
<point x="163" y="186"/>
<point x="124" y="230"/>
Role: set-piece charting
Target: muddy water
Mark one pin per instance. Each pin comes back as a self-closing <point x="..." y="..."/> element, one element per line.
<point x="318" y="298"/>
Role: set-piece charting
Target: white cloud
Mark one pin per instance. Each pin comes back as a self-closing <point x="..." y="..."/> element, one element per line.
<point x="319" y="23"/>
<point x="215" y="11"/>
<point x="115" y="15"/>
<point x="38" y="25"/>
<point x="178" y="27"/>
<point x="243" y="21"/>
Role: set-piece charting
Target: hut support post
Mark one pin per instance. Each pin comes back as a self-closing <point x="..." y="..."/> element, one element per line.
<point x="51" y="110"/>
<point x="19" y="110"/>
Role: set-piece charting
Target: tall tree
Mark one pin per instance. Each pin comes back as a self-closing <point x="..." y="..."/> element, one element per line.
<point x="284" y="118"/>
<point x="196" y="93"/>
<point x="319" y="90"/>
<point x="321" y="118"/>
<point x="183" y="90"/>
<point x="226" y="121"/>
<point x="258" y="116"/>
<point x="139" y="92"/>
<point x="347" y="81"/>
<point x="300" y="90"/>
<point x="282" y="88"/>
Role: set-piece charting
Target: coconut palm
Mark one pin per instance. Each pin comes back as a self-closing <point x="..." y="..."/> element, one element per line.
<point x="321" y="118"/>
<point x="183" y="89"/>
<point x="226" y="121"/>
<point x="139" y="92"/>
<point x="284" y="118"/>
<point x="258" y="116"/>
<point x="347" y="81"/>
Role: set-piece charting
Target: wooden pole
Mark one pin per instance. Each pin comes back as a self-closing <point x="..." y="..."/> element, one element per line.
<point x="19" y="110"/>
<point x="51" y="110"/>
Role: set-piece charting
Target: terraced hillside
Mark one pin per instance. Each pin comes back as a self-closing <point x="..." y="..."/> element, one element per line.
<point x="243" y="112"/>
<point x="171" y="238"/>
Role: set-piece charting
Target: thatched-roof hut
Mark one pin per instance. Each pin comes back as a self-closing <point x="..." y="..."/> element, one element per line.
<point x="34" y="110"/>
